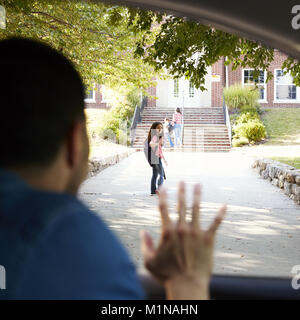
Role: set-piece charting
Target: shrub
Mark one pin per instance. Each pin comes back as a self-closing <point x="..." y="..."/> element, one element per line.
<point x="250" y="109"/>
<point x="233" y="118"/>
<point x="239" y="142"/>
<point x="253" y="130"/>
<point x="94" y="117"/>
<point x="237" y="96"/>
<point x="245" y="117"/>
<point x="115" y="126"/>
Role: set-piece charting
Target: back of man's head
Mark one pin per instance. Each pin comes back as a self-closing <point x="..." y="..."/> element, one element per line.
<point x="41" y="96"/>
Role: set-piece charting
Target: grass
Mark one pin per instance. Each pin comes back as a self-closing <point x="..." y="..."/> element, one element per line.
<point x="283" y="126"/>
<point x="292" y="161"/>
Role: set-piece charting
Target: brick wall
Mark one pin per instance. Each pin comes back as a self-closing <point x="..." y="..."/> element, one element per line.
<point x="234" y="76"/>
<point x="98" y="104"/>
<point x="217" y="87"/>
<point x="279" y="57"/>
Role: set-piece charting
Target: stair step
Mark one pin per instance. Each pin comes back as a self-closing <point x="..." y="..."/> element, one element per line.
<point x="204" y="129"/>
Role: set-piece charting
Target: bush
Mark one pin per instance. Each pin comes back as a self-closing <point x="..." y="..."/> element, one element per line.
<point x="94" y="117"/>
<point x="237" y="96"/>
<point x="239" y="142"/>
<point x="113" y="125"/>
<point x="233" y="118"/>
<point x="250" y="109"/>
<point x="253" y="130"/>
<point x="245" y="117"/>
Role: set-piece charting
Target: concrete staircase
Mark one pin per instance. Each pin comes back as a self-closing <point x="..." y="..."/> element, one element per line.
<point x="204" y="129"/>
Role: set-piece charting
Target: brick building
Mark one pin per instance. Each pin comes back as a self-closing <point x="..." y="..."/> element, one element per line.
<point x="96" y="98"/>
<point x="278" y="92"/>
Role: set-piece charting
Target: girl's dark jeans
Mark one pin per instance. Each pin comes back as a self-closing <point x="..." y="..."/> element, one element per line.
<point x="157" y="169"/>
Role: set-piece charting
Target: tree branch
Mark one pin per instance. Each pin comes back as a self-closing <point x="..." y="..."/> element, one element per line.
<point x="72" y="26"/>
<point x="54" y="18"/>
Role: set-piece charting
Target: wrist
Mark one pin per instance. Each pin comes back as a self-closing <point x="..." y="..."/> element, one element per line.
<point x="183" y="287"/>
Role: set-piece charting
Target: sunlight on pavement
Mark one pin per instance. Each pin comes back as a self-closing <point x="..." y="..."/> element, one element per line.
<point x="260" y="233"/>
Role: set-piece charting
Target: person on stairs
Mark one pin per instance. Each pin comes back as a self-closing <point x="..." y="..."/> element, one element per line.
<point x="177" y="120"/>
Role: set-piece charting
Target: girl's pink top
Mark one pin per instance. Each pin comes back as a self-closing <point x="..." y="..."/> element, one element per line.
<point x="158" y="152"/>
<point x="177" y="117"/>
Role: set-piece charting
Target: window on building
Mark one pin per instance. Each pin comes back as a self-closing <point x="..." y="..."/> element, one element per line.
<point x="191" y="90"/>
<point x="248" y="79"/>
<point x="176" y="88"/>
<point x="285" y="89"/>
<point x="90" y="96"/>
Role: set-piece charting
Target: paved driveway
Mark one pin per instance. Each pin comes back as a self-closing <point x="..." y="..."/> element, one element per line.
<point x="260" y="235"/>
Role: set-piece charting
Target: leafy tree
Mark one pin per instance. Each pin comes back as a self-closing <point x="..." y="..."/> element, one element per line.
<point x="186" y="48"/>
<point x="85" y="32"/>
<point x="109" y="44"/>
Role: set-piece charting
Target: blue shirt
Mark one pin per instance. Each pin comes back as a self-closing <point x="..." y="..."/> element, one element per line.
<point x="53" y="247"/>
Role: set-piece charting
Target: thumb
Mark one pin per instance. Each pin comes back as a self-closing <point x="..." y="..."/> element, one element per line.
<point x="147" y="246"/>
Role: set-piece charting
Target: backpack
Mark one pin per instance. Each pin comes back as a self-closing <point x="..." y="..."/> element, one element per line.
<point x="150" y="154"/>
<point x="170" y="127"/>
<point x="147" y="151"/>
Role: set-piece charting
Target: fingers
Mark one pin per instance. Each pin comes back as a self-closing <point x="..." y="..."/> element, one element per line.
<point x="163" y="208"/>
<point x="147" y="246"/>
<point x="218" y="220"/>
<point x="181" y="203"/>
<point x="196" y="206"/>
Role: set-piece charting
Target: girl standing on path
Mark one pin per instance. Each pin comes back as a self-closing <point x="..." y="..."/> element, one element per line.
<point x="155" y="155"/>
<point x="177" y="120"/>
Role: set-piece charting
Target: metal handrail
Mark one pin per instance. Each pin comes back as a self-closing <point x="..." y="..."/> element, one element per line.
<point x="227" y="121"/>
<point x="137" y="118"/>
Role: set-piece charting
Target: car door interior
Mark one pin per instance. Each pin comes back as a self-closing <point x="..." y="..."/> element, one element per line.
<point x="227" y="287"/>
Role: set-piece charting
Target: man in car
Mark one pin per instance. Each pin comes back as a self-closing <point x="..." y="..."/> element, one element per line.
<point x="51" y="245"/>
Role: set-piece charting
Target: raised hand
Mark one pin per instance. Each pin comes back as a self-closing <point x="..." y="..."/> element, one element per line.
<point x="183" y="260"/>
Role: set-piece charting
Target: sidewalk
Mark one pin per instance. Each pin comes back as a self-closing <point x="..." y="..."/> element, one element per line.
<point x="260" y="235"/>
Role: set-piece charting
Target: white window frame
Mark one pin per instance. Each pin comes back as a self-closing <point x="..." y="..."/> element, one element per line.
<point x="265" y="100"/>
<point x="297" y="100"/>
<point x="93" y="99"/>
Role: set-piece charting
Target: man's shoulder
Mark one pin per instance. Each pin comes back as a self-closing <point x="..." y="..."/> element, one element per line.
<point x="67" y="211"/>
<point x="80" y="249"/>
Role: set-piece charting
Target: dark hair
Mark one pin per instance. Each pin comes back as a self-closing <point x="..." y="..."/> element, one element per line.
<point x="178" y="110"/>
<point x="42" y="95"/>
<point x="153" y="126"/>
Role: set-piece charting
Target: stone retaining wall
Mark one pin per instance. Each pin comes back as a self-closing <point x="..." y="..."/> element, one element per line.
<point x="280" y="175"/>
<point x="96" y="164"/>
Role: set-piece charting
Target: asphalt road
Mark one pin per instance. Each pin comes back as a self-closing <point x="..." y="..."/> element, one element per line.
<point x="261" y="232"/>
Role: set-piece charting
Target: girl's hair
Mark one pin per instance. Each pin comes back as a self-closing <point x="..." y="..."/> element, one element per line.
<point x="154" y="126"/>
<point x="178" y="110"/>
